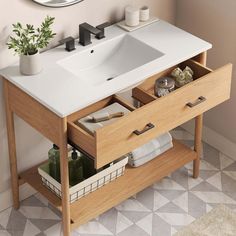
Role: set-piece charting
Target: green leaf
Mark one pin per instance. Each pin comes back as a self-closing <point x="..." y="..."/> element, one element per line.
<point x="28" y="40"/>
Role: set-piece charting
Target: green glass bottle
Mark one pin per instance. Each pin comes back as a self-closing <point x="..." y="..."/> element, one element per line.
<point x="54" y="162"/>
<point x="75" y="169"/>
<point x="88" y="165"/>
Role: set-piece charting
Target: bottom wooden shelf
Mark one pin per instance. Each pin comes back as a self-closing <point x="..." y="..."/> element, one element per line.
<point x="133" y="181"/>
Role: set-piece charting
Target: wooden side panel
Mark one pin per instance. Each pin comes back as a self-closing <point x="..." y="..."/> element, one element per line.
<point x="143" y="96"/>
<point x="81" y="138"/>
<point x="35" y="114"/>
<point x="165" y="114"/>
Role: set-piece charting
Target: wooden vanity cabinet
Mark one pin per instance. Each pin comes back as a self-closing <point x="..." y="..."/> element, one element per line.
<point x="208" y="89"/>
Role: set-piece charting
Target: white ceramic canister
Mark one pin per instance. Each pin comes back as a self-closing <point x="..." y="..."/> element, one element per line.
<point x="30" y="64"/>
<point x="144" y="13"/>
<point x="132" y="16"/>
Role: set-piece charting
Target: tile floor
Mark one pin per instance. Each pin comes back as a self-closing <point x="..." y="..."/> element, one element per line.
<point x="159" y="210"/>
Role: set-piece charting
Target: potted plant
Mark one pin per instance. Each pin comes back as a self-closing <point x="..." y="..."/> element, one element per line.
<point x="26" y="43"/>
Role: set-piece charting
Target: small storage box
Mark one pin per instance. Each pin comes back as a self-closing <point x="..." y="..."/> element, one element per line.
<point x="87" y="186"/>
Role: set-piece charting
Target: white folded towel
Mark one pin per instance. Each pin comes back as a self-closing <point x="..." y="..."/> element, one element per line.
<point x="150" y="156"/>
<point x="149" y="147"/>
<point x="91" y="127"/>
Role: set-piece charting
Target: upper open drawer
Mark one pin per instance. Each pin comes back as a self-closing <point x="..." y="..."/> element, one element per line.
<point x="206" y="82"/>
<point x="208" y="89"/>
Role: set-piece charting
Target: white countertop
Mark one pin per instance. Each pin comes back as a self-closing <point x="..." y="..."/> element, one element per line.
<point x="61" y="92"/>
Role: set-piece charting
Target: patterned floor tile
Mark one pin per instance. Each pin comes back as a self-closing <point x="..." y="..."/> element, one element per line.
<point x="122" y="223"/>
<point x="171" y="208"/>
<point x="171" y="194"/>
<point x="182" y="201"/>
<point x="214" y="197"/>
<point x="109" y="219"/>
<point x="161" y="209"/>
<point x="215" y="181"/>
<point x="133" y="230"/>
<point x="146" y="197"/>
<point x="16" y="221"/>
<point x="225" y="161"/>
<point x="30" y="229"/>
<point x="132" y="205"/>
<point x="159" y="201"/>
<point x="168" y="184"/>
<point x="211" y="155"/>
<point x="32" y="201"/>
<point x="205" y="187"/>
<point x="196" y="206"/>
<point x="38" y="213"/>
<point x="15" y="232"/>
<point x="181" y="177"/>
<point x="176" y="218"/>
<point x="231" y="167"/>
<point x="4" y="218"/>
<point x="4" y="233"/>
<point x="93" y="227"/>
<point x="44" y="224"/>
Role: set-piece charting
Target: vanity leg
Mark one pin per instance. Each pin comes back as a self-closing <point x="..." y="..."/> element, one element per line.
<point x="202" y="58"/>
<point x="197" y="144"/>
<point x="11" y="148"/>
<point x="64" y="178"/>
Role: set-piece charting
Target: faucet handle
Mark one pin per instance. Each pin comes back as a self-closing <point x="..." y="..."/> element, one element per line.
<point x="102" y="27"/>
<point x="70" y="43"/>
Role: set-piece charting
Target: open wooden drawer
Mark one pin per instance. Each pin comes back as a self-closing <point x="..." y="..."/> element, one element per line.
<point x="117" y="139"/>
<point x="208" y="89"/>
<point x="157" y="116"/>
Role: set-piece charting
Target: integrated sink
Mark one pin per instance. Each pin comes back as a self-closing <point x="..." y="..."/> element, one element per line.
<point x="110" y="59"/>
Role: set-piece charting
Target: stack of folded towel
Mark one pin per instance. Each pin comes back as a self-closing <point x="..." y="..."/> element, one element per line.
<point x="150" y="150"/>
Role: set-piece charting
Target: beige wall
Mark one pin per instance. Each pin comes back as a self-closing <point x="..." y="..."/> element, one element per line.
<point x="32" y="147"/>
<point x="215" y="21"/>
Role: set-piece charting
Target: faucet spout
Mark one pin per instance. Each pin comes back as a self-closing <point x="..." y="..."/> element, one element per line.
<point x="85" y="31"/>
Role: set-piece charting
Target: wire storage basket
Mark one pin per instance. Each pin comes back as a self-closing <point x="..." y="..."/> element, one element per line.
<point x="87" y="186"/>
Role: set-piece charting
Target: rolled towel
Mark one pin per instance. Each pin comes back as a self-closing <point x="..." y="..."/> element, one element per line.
<point x="149" y="147"/>
<point x="150" y="156"/>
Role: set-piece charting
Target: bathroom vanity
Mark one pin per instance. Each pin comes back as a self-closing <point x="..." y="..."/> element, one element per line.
<point x="119" y="62"/>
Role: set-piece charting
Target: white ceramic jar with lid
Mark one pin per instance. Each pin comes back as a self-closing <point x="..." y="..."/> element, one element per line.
<point x="144" y="13"/>
<point x="131" y="16"/>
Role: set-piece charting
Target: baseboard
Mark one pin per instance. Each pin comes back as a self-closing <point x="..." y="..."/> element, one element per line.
<point x="214" y="139"/>
<point x="6" y="197"/>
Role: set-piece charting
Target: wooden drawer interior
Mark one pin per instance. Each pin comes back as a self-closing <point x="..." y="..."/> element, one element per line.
<point x="84" y="140"/>
<point x="145" y="92"/>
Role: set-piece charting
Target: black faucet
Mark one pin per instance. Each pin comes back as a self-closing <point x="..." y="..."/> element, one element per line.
<point x="102" y="27"/>
<point x="85" y="31"/>
<point x="70" y="43"/>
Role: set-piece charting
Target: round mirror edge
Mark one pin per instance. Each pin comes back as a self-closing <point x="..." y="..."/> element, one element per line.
<point x="73" y="2"/>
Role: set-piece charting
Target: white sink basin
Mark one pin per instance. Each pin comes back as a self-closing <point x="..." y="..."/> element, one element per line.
<point x="108" y="60"/>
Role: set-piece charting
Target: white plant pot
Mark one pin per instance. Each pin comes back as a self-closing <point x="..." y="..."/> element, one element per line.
<point x="30" y="64"/>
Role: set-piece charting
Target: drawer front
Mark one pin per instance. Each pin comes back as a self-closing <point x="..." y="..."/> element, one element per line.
<point x="162" y="115"/>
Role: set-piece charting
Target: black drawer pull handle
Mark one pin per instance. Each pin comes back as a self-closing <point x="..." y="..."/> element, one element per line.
<point x="147" y="127"/>
<point x="200" y="100"/>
